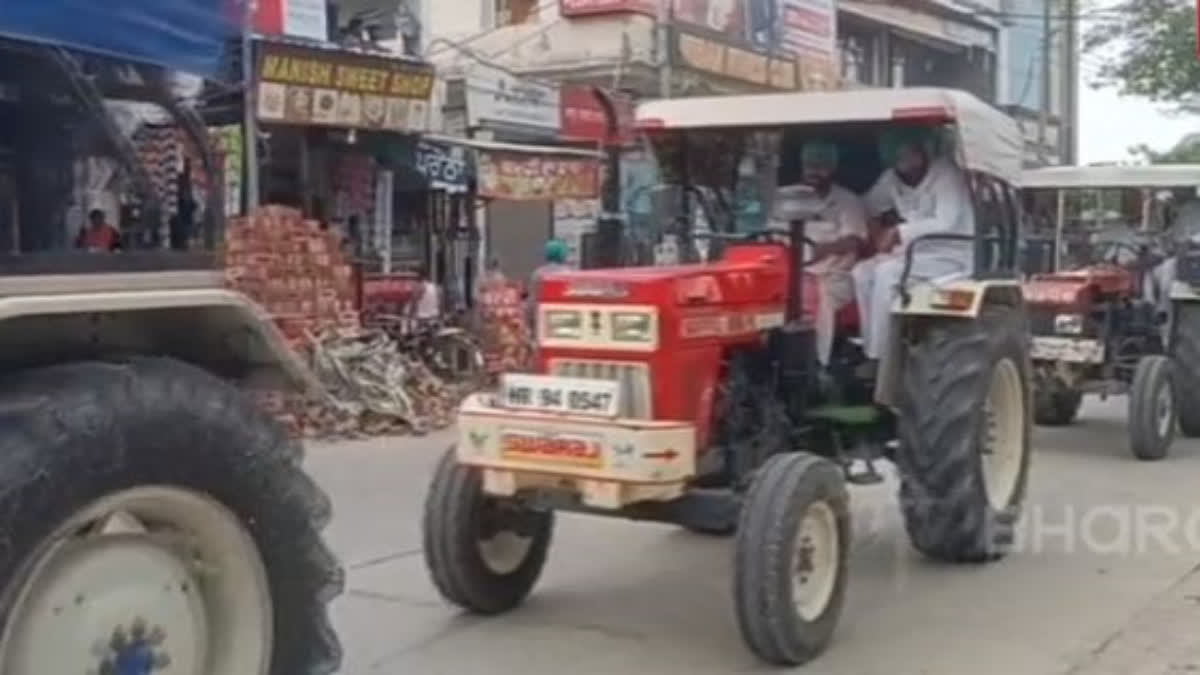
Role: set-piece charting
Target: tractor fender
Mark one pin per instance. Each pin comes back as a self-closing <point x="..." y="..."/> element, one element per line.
<point x="960" y="298"/>
<point x="1184" y="292"/>
<point x="951" y="301"/>
<point x="214" y="328"/>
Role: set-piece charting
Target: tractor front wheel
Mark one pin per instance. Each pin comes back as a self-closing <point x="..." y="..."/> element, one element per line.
<point x="484" y="553"/>
<point x="790" y="553"/>
<point x="965" y="435"/>
<point x="1185" y="349"/>
<point x="1152" y="409"/>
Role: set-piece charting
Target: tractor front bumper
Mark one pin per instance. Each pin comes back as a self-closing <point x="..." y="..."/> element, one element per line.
<point x="608" y="463"/>
<point x="1067" y="349"/>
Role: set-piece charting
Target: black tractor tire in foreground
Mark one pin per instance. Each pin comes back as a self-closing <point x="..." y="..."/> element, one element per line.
<point x="779" y="560"/>
<point x="1153" y="409"/>
<point x="1056" y="408"/>
<point x="460" y="521"/>
<point x="948" y="425"/>
<point x="1185" y="348"/>
<point x="74" y="434"/>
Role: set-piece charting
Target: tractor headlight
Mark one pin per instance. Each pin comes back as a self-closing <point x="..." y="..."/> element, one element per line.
<point x="632" y="327"/>
<point x="1068" y="324"/>
<point x="564" y="325"/>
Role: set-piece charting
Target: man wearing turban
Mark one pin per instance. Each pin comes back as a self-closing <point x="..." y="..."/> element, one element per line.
<point x="928" y="194"/>
<point x="838" y="232"/>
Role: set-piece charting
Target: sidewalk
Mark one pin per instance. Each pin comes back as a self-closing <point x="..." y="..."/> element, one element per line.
<point x="1161" y="639"/>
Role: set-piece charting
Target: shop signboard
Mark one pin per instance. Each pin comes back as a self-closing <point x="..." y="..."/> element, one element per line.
<point x="716" y="56"/>
<point x="575" y="8"/>
<point x="325" y="87"/>
<point x="306" y="19"/>
<point x="498" y="99"/>
<point x="783" y="44"/>
<point x="583" y="118"/>
<point x="526" y="177"/>
<point x="445" y="167"/>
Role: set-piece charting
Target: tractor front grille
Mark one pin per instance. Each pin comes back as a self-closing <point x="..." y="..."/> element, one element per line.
<point x="637" y="398"/>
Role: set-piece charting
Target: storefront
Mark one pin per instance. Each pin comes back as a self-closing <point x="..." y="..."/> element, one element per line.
<point x="533" y="184"/>
<point x="326" y="117"/>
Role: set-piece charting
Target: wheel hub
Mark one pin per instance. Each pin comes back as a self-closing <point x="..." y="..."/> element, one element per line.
<point x="1002" y="443"/>
<point x="1163" y="408"/>
<point x="147" y="581"/>
<point x="114" y="605"/>
<point x="815" y="555"/>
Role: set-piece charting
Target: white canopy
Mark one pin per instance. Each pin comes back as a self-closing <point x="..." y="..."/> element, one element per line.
<point x="988" y="140"/>
<point x="1154" y="176"/>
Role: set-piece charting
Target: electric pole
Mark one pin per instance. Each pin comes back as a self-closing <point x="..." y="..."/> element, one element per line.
<point x="1044" y="112"/>
<point x="663" y="33"/>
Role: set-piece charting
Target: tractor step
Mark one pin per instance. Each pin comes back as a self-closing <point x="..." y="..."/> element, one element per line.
<point x="845" y="415"/>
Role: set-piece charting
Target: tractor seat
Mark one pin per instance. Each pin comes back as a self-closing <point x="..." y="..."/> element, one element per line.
<point x="847" y="321"/>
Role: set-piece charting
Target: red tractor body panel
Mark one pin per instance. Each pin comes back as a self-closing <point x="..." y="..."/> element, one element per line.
<point x="704" y="311"/>
<point x="1076" y="290"/>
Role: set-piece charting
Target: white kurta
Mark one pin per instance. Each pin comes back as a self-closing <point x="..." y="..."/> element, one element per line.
<point x="941" y="203"/>
<point x="842" y="214"/>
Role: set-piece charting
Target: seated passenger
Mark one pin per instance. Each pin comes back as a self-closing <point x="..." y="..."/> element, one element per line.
<point x="929" y="195"/>
<point x="839" y="231"/>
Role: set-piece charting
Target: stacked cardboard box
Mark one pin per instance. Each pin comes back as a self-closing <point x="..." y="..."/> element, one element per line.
<point x="295" y="270"/>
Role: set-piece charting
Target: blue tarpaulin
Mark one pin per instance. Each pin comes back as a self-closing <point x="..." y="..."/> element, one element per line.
<point x="185" y="35"/>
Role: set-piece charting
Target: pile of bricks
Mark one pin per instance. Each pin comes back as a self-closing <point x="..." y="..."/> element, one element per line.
<point x="295" y="270"/>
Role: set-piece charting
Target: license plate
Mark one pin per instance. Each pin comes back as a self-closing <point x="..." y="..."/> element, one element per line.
<point x="531" y="446"/>
<point x="570" y="395"/>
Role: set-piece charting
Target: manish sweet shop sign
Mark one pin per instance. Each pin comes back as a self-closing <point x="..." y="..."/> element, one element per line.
<point x="333" y="88"/>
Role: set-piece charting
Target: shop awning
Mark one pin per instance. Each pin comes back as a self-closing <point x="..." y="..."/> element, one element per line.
<point x="184" y="35"/>
<point x="922" y="24"/>
<point x="515" y="147"/>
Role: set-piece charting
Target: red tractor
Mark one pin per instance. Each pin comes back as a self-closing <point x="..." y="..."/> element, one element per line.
<point x="691" y="394"/>
<point x="1100" y="314"/>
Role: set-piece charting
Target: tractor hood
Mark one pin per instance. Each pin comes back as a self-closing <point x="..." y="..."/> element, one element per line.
<point x="1077" y="289"/>
<point x="749" y="275"/>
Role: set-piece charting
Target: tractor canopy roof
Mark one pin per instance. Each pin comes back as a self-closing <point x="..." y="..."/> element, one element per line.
<point x="1154" y="176"/>
<point x="987" y="140"/>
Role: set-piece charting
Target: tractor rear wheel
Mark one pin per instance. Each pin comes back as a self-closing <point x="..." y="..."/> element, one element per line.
<point x="153" y="520"/>
<point x="484" y="553"/>
<point x="964" y="428"/>
<point x="1056" y="408"/>
<point x="1186" y="352"/>
<point x="1152" y="409"/>
<point x="789" y="566"/>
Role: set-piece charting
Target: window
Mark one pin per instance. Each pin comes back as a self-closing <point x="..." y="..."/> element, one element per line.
<point x="498" y="13"/>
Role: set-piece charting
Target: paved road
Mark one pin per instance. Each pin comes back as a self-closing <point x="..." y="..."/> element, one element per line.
<point x="616" y="597"/>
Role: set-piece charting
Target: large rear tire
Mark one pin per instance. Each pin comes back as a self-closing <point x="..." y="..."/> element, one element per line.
<point x="790" y="554"/>
<point x="1056" y="408"/>
<point x="484" y="553"/>
<point x="1152" y="409"/>
<point x="153" y="514"/>
<point x="964" y="430"/>
<point x="1186" y="352"/>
